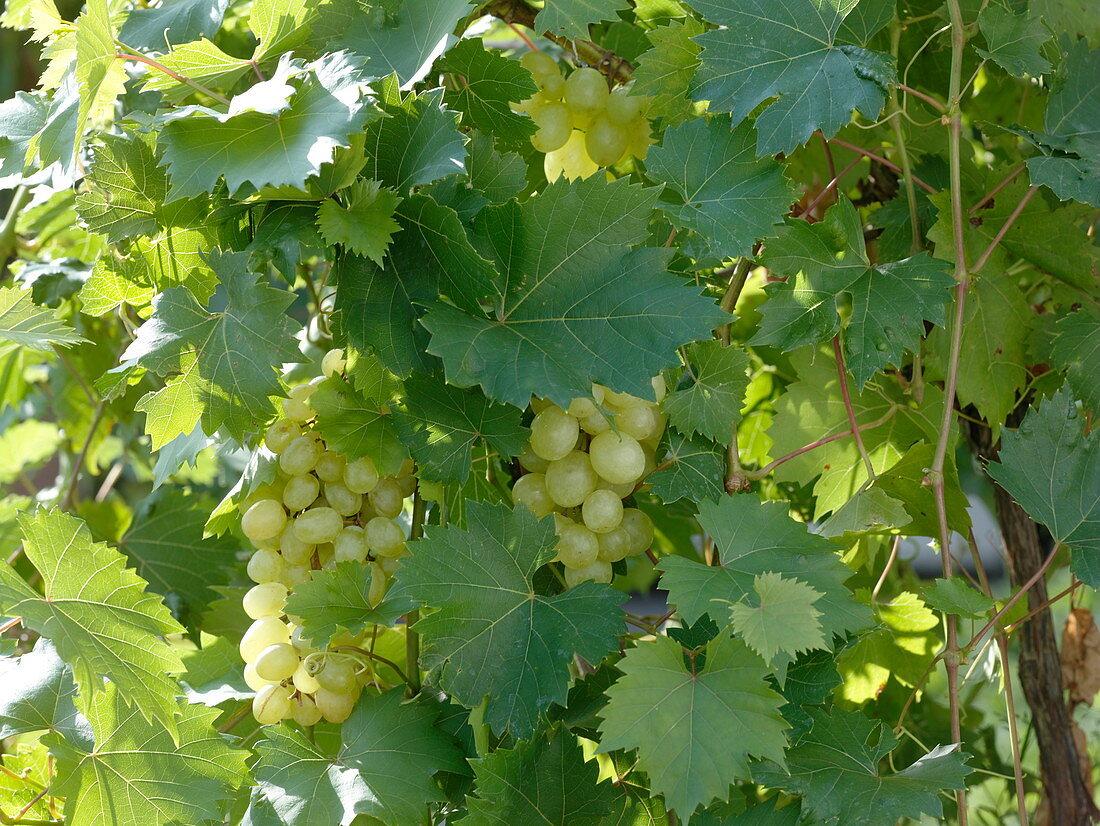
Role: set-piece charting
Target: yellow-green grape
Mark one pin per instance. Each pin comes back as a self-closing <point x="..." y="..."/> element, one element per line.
<point x="281" y="434"/>
<point x="264" y="520"/>
<point x="385" y="536"/>
<point x="296" y="575"/>
<point x="597" y="570"/>
<point x="551" y="84"/>
<point x="555" y="125"/>
<point x="553" y="433"/>
<point x="622" y="107"/>
<point x="294" y="550"/>
<point x="265" y="565"/>
<point x="586" y="91"/>
<point x="378" y="584"/>
<point x="577" y="546"/>
<point x="620" y="401"/>
<point x="252" y="679"/>
<point x="539" y="63"/>
<point x="534" y="103"/>
<point x="614" y="545"/>
<point x="389" y="564"/>
<point x="530" y="489"/>
<point x="267" y="490"/>
<point x="639" y="138"/>
<point x="622" y="491"/>
<point x="406" y="484"/>
<point x="303" y="680"/>
<point x="602" y="511"/>
<point x="386" y="498"/>
<point x="350" y="545"/>
<point x="595" y="424"/>
<point x="582" y="407"/>
<point x="360" y="476"/>
<point x="260" y="634"/>
<point x="300" y="492"/>
<point x="333" y="363"/>
<point x="605" y="142"/>
<point x="318" y="525"/>
<point x="264" y="600"/>
<point x="531" y="461"/>
<point x="617" y="457"/>
<point x="571" y="161"/>
<point x="277" y="662"/>
<point x="330" y="466"/>
<point x="660" y="388"/>
<point x="271" y="704"/>
<point x="342" y="500"/>
<point x="337" y="675"/>
<point x="569" y="480"/>
<point x="639" y="421"/>
<point x="296" y="406"/>
<point x="300" y="456"/>
<point x="335" y="707"/>
<point x="326" y="555"/>
<point x="304" y="711"/>
<point x="639" y="528"/>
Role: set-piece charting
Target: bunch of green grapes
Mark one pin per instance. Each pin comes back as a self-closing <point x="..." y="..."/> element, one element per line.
<point x="580" y="464"/>
<point x="320" y="509"/>
<point x="581" y="124"/>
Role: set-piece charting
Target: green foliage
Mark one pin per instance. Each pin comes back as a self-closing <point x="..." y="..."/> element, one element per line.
<point x="338" y="600"/>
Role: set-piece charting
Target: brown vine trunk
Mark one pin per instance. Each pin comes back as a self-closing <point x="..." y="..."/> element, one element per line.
<point x="1067" y="797"/>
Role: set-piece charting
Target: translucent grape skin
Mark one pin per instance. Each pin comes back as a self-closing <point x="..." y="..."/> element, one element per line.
<point x="555" y="125"/>
<point x="265" y="600"/>
<point x="570" y="479"/>
<point x="318" y="525"/>
<point x="602" y="511"/>
<point x="598" y="571"/>
<point x="264" y="520"/>
<point x="360" y="476"/>
<point x="351" y="545"/>
<point x="586" y="90"/>
<point x="300" y="456"/>
<point x="639" y="528"/>
<point x="553" y="433"/>
<point x="281" y="434"/>
<point x="337" y="675"/>
<point x="617" y="457"/>
<point x="260" y="634"/>
<point x="386" y="498"/>
<point x="530" y="490"/>
<point x="335" y="707"/>
<point x="605" y="141"/>
<point x="538" y="63"/>
<point x="385" y="536"/>
<point x="577" y="546"/>
<point x="271" y="704"/>
<point x="300" y="492"/>
<point x="304" y="710"/>
<point x="277" y="662"/>
<point x="265" y="565"/>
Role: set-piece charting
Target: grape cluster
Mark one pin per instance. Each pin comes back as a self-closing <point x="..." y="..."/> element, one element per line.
<point x="581" y="124"/>
<point x="581" y="463"/>
<point x="320" y="509"/>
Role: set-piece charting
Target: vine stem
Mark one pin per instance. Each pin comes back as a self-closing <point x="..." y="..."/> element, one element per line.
<point x="10" y="624"/>
<point x="412" y="638"/>
<point x="379" y="658"/>
<point x="1005" y="227"/>
<point x="931" y="101"/>
<point x="962" y="278"/>
<point x="148" y="61"/>
<point x="859" y="150"/>
<point x="842" y="374"/>
<point x="78" y="464"/>
<point x="1009" y="178"/>
<point x="8" y="238"/>
<point x="1027" y="586"/>
<point x="829" y="187"/>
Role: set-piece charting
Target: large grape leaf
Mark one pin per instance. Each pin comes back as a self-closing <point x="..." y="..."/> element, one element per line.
<point x="573" y="307"/>
<point x="1014" y="41"/>
<point x="337" y="599"/>
<point x="125" y="189"/>
<point x="441" y="423"/>
<point x="543" y="780"/>
<point x="1076" y="347"/>
<point x="100" y="76"/>
<point x="38" y="696"/>
<point x="142" y="774"/>
<point x="355" y="420"/>
<point x="388" y="754"/>
<point x="835" y="767"/>
<point x="489" y="82"/>
<point x="166" y="546"/>
<point x="787" y="49"/>
<point x="493" y="635"/>
<point x="253" y="149"/>
<point x="571" y="17"/>
<point x="711" y="403"/>
<point x="24" y="324"/>
<point x="730" y="197"/>
<point x="690" y="468"/>
<point x="97" y="613"/>
<point x="752" y="538"/>
<point x="663" y="72"/>
<point x="826" y="263"/>
<point x="695" y="728"/>
<point x="1051" y="466"/>
<point x="171" y="23"/>
<point x="239" y="341"/>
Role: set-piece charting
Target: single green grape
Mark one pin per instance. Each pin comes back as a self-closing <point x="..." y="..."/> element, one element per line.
<point x="342" y="500"/>
<point x="266" y="599"/>
<point x="555" y="125"/>
<point x="597" y="570"/>
<point x="570" y="479"/>
<point x="271" y="704"/>
<point x="385" y="537"/>
<point x="605" y="141"/>
<point x="318" y="525"/>
<point x="300" y="456"/>
<point x="277" y="662"/>
<point x="586" y="90"/>
<point x="577" y="546"/>
<point x="530" y="489"/>
<point x="554" y="433"/>
<point x="602" y="511"/>
<point x="617" y="457"/>
<point x="300" y="492"/>
<point x="264" y="520"/>
<point x="265" y="565"/>
<point x="281" y="434"/>
<point x="350" y="545"/>
<point x="639" y="527"/>
<point x="260" y="634"/>
<point x="386" y="498"/>
<point x="335" y="707"/>
<point x="361" y="475"/>
<point x="337" y="675"/>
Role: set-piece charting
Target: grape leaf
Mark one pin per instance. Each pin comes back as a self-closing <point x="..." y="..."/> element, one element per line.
<point x="828" y="260"/>
<point x="171" y="23"/>
<point x="408" y="39"/>
<point x="573" y="307"/>
<point x="280" y="25"/>
<point x="201" y="62"/>
<point x="1076" y="348"/>
<point x="870" y="511"/>
<point x="694" y="729"/>
<point x="754" y="537"/>
<point x="711" y="404"/>
<point x="1014" y="41"/>
<point x="388" y="754"/>
<point x="97" y="613"/>
<point x="23" y="324"/>
<point x="239" y="346"/>
<point x="176" y="408"/>
<point x="26" y="445"/>
<point x="492" y="635"/>
<point x="441" y="423"/>
<point x="142" y="774"/>
<point x="23" y="117"/>
<point x="542" y="780"/>
<point x="664" y="72"/>
<point x="490" y="82"/>
<point x="125" y="189"/>
<point x="166" y="546"/>
<point x="835" y="767"/>
<point x="355" y="420"/>
<point x="100" y="76"/>
<point x="363" y="222"/>
<point x="762" y="814"/>
<point x="781" y="617"/>
<point x="335" y="600"/>
<point x="1051" y="466"/>
<point x="788" y="50"/>
<point x="38" y="696"/>
<point x="254" y="149"/>
<point x="955" y="596"/>
<point x="729" y="196"/>
<point x="418" y="143"/>
<point x="571" y="17"/>
<point x="213" y="674"/>
<point x="690" y="468"/>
